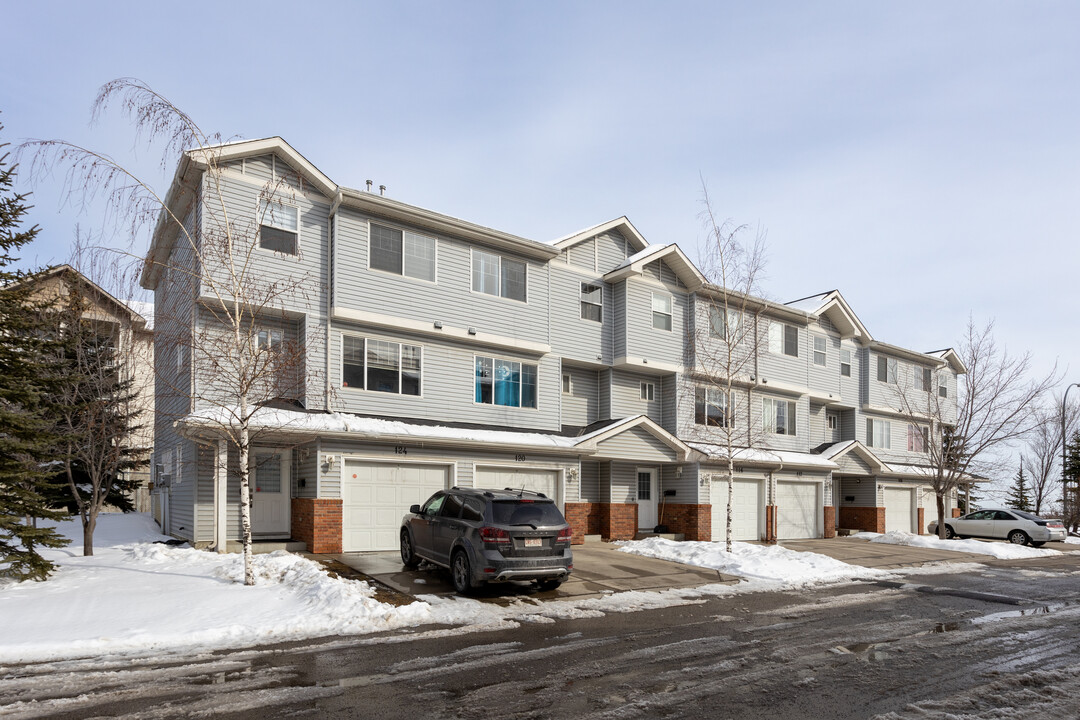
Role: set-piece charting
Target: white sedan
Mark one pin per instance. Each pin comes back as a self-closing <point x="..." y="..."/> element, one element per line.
<point x="1016" y="526"/>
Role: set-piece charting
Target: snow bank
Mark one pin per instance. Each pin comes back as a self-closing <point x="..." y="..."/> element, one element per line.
<point x="1002" y="551"/>
<point x="772" y="563"/>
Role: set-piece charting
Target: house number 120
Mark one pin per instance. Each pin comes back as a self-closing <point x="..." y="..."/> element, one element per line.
<point x="519" y="458"/>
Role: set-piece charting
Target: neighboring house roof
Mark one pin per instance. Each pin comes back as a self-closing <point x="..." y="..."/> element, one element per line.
<point x="952" y="358"/>
<point x="833" y="306"/>
<point x="621" y="224"/>
<point x="104" y="301"/>
<point x="671" y="254"/>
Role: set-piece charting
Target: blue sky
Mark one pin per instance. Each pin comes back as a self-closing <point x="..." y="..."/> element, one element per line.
<point x="921" y="157"/>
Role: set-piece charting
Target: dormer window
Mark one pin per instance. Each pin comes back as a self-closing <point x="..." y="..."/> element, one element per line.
<point x="279" y="226"/>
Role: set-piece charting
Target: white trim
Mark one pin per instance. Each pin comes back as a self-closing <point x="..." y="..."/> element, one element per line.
<point x="472" y="260"/>
<point x="670" y="312"/>
<point x="341" y="364"/>
<point x="402" y="229"/>
<point x="259" y="222"/>
<point x="427" y="328"/>
<point x="654" y="484"/>
<point x="521" y="386"/>
<point x="646" y="364"/>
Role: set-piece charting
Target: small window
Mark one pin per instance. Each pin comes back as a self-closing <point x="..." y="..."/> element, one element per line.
<point x="943" y="386"/>
<point x="711" y="408"/>
<point x="791" y="340"/>
<point x="647" y="391"/>
<point x="778" y="416"/>
<point x="783" y="339"/>
<point x="878" y="433"/>
<point x="820" y="343"/>
<point x="723" y="325"/>
<point x="505" y="382"/>
<point x="352" y="362"/>
<point x="661" y="311"/>
<point x="644" y="486"/>
<point x="402" y="252"/>
<point x="845" y="363"/>
<point x="918" y="438"/>
<point x="831" y="421"/>
<point x="592" y="302"/>
<point x="567" y="385"/>
<point x="497" y="275"/>
<point x="278" y="227"/>
<point x="886" y="369"/>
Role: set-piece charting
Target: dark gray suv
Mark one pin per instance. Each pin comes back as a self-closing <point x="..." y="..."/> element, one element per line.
<point x="489" y="536"/>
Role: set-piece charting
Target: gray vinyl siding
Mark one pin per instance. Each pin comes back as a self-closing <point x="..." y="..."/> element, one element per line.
<point x="626" y="396"/>
<point x="883" y="394"/>
<point x="583" y="255"/>
<point x="853" y="464"/>
<point x="801" y="440"/>
<point x="448" y="385"/>
<point x="581" y="405"/>
<point x="849" y="386"/>
<point x="778" y="367"/>
<point x="611" y="250"/>
<point x="571" y="336"/>
<point x="824" y="378"/>
<point x="623" y="482"/>
<point x="669" y="409"/>
<point x="863" y="490"/>
<point x="637" y="444"/>
<point x="819" y="432"/>
<point x="306" y="469"/>
<point x="685" y="484"/>
<point x="450" y="299"/>
<point x="618" y="303"/>
<point x="183" y="493"/>
<point x="643" y="341"/>
<point x="603" y="394"/>
<point x="204" y="503"/>
<point x="590" y="482"/>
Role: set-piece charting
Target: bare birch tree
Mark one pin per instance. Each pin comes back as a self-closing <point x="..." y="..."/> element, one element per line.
<point x="996" y="405"/>
<point x="725" y="340"/>
<point x="1042" y="456"/>
<point x="238" y="349"/>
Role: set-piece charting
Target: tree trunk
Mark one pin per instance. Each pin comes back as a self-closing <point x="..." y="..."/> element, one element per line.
<point x="730" y="495"/>
<point x="89" y="523"/>
<point x="245" y="505"/>
<point x="940" y="497"/>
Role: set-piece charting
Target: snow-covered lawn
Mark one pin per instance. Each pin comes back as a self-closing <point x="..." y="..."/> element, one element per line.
<point x="770" y="563"/>
<point x="1000" y="550"/>
<point x="1072" y="540"/>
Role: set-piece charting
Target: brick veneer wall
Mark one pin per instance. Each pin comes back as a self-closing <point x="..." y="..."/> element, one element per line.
<point x="621" y="522"/>
<point x="870" y="519"/>
<point x="585" y="519"/>
<point x="317" y="523"/>
<point x="830" y="521"/>
<point x="956" y="512"/>
<point x="693" y="521"/>
<point x="770" y="524"/>
<point x="920" y="514"/>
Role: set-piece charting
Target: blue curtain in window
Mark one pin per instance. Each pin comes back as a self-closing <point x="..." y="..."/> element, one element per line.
<point x="507" y="383"/>
<point x="483" y="380"/>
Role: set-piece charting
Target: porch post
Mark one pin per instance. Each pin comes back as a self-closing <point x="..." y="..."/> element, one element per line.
<point x="221" y="496"/>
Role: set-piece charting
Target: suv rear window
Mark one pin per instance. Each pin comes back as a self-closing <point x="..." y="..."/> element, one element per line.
<point x="516" y="512"/>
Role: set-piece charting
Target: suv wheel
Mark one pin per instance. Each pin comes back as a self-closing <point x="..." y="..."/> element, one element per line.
<point x="461" y="573"/>
<point x="408" y="557"/>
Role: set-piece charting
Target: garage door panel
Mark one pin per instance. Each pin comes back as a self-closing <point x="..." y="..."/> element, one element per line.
<point x="544" y="481"/>
<point x="375" y="496"/>
<point x="745" y="510"/>
<point x="798" y="510"/>
<point x="898" y="509"/>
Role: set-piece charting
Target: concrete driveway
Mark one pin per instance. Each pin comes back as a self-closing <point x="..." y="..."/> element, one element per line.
<point x="889" y="557"/>
<point x="599" y="569"/>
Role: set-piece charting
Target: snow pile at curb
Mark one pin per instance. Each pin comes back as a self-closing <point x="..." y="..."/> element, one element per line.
<point x="772" y="563"/>
<point x="1001" y="551"/>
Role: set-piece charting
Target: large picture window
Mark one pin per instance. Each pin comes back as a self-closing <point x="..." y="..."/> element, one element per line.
<point x="497" y="275"/>
<point x="402" y="252"/>
<point x="279" y="227"/>
<point x="380" y="366"/>
<point x="505" y="382"/>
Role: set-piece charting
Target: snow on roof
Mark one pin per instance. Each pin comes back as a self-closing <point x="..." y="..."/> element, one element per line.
<point x="836" y="449"/>
<point x="761" y="455"/>
<point x="809" y="304"/>
<point x="641" y="255"/>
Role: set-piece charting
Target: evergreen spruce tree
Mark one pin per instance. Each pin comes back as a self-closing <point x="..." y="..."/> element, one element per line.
<point x="25" y="439"/>
<point x="1018" y="493"/>
<point x="1072" y="478"/>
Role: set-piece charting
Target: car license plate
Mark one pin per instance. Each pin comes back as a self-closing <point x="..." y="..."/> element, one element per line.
<point x="534" y="542"/>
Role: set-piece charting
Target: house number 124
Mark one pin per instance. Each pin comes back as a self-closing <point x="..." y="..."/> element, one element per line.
<point x="400" y="450"/>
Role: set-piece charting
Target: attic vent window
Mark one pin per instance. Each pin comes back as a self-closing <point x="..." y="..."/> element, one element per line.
<point x="278" y="227"/>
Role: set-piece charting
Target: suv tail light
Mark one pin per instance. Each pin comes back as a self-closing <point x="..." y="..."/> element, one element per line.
<point x="498" y="536"/>
<point x="565" y="536"/>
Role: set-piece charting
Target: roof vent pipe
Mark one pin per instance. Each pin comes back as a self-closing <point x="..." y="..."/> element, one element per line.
<point x="382" y="189"/>
<point x="369" y="184"/>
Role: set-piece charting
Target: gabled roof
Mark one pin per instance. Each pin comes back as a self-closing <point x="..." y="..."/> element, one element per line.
<point x="671" y="254"/>
<point x="237" y="150"/>
<point x="591" y="440"/>
<point x="833" y="306"/>
<point x="622" y="224"/>
<point x="854" y="447"/>
<point x="952" y="358"/>
<point x="66" y="273"/>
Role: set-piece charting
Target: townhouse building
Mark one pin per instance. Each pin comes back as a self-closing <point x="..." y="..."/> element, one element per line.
<point x="438" y="353"/>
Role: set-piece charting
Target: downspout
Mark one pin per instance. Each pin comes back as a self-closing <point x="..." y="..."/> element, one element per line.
<point x="331" y="273"/>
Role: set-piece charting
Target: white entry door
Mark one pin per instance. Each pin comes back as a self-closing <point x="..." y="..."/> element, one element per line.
<point x="647" y="492"/>
<point x="270" y="496"/>
<point x="798" y="510"/>
<point x="899" y="508"/>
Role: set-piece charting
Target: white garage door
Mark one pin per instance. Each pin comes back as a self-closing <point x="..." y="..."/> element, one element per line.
<point x="798" y="510"/>
<point x="375" y="496"/>
<point x="745" y="510"/>
<point x="543" y="481"/>
<point x="898" y="510"/>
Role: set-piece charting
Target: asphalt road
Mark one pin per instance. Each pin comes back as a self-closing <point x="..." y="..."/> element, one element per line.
<point x="1004" y="636"/>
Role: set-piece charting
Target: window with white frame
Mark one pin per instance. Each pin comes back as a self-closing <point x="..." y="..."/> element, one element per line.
<point x="723" y="322"/>
<point x="402" y="252"/>
<point x="778" y="416"/>
<point x="921" y="378"/>
<point x="178" y="351"/>
<point x="845" y="363"/>
<point x="783" y="339"/>
<point x="567" y="384"/>
<point x="505" y="382"/>
<point x="711" y="407"/>
<point x="494" y="274"/>
<point x="831" y="420"/>
<point x="820" y="345"/>
<point x="279" y="227"/>
<point x="661" y="311"/>
<point x="918" y="437"/>
<point x="380" y="366"/>
<point x="592" y="302"/>
<point x="648" y="391"/>
<point x="878" y="433"/>
<point x="943" y="385"/>
<point x="886" y="369"/>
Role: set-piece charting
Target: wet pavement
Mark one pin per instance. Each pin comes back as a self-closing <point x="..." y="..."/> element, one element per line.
<point x="892" y="557"/>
